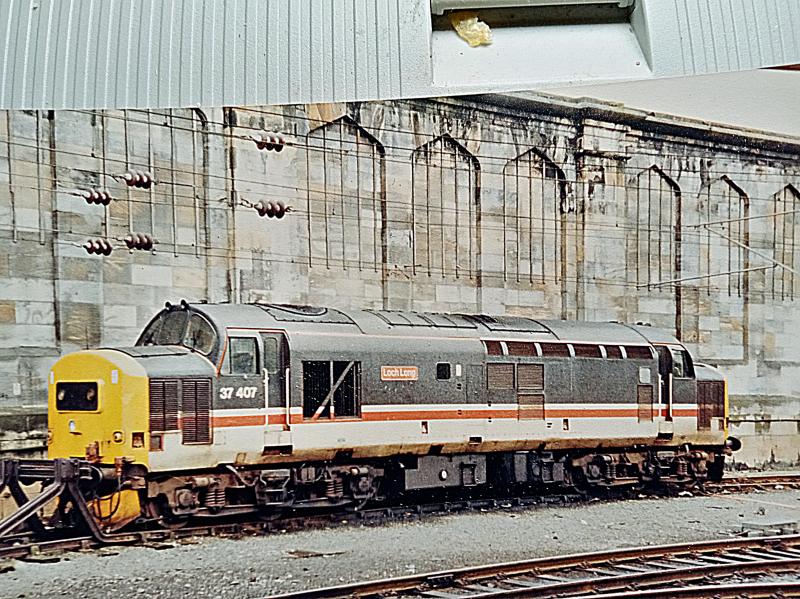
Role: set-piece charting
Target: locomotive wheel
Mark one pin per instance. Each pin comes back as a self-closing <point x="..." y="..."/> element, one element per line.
<point x="159" y="510"/>
<point x="579" y="481"/>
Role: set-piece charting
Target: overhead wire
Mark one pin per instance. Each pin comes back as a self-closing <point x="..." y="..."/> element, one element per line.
<point x="435" y="271"/>
<point x="512" y="120"/>
<point x="639" y="151"/>
<point x="585" y="230"/>
<point x="225" y="191"/>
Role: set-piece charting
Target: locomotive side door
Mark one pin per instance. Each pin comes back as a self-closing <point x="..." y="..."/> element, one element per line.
<point x="240" y="383"/>
<point x="665" y="376"/>
<point x="275" y="373"/>
<point x="239" y="406"/>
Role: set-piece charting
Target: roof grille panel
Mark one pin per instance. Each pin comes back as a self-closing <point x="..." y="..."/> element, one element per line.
<point x="397" y="318"/>
<point x="298" y="313"/>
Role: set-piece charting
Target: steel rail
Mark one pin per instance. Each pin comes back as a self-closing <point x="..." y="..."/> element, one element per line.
<point x="458" y="578"/>
<point x="639" y="580"/>
<point x="750" y="590"/>
<point x="789" y="478"/>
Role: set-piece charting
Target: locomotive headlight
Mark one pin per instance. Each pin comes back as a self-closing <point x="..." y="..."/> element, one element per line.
<point x="117" y="436"/>
<point x="73" y="428"/>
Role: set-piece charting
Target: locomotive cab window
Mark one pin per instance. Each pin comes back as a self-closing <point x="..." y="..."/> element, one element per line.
<point x="443" y="371"/>
<point x="243" y="355"/>
<point x="681" y="364"/>
<point x="271" y="354"/>
<point x="76" y="397"/>
<point x="200" y="335"/>
<point x="168" y="329"/>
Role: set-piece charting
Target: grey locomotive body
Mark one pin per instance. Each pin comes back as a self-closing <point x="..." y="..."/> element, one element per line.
<point x="269" y="406"/>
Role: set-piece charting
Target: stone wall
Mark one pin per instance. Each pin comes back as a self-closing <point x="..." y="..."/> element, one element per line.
<point x="499" y="204"/>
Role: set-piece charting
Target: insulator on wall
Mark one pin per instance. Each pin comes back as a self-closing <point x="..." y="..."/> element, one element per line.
<point x="97" y="196"/>
<point x="270" y="142"/>
<point x="272" y="209"/>
<point x="139" y="241"/>
<point x="142" y="179"/>
<point x="98" y="246"/>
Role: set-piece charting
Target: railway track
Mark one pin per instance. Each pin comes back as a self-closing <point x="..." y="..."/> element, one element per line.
<point x="752" y="567"/>
<point x="25" y="545"/>
<point x="755" y="481"/>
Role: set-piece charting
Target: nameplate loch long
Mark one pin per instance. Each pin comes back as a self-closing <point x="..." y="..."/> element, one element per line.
<point x="399" y="373"/>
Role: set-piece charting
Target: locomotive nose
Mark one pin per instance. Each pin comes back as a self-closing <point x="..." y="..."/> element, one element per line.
<point x="97" y="403"/>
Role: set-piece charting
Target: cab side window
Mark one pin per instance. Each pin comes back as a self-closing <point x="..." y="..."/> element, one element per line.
<point x="270" y="354"/>
<point x="243" y="355"/>
<point x="681" y="365"/>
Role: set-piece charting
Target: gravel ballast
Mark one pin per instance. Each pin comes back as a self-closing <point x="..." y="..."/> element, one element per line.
<point x="259" y="566"/>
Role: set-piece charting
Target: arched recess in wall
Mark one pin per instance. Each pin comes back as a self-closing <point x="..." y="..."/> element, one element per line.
<point x="346" y="184"/>
<point x="653" y="212"/>
<point x="534" y="202"/>
<point x="200" y="178"/>
<point x="653" y="215"/>
<point x="445" y="210"/>
<point x="724" y="263"/>
<point x="783" y="283"/>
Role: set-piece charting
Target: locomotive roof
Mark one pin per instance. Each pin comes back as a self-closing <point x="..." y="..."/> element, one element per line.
<point x="407" y="323"/>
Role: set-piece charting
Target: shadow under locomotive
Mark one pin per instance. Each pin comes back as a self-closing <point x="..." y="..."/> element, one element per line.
<point x="222" y="409"/>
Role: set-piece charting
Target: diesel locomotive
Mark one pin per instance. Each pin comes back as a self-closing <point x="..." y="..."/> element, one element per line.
<point x="225" y="408"/>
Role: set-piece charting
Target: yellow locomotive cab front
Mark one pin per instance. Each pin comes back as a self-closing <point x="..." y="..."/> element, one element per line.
<point x="97" y="408"/>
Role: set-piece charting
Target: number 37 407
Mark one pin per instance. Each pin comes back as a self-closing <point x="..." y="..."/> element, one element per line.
<point x="240" y="392"/>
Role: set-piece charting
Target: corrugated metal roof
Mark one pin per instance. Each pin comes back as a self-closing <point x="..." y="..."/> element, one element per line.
<point x="153" y="53"/>
<point x="170" y="53"/>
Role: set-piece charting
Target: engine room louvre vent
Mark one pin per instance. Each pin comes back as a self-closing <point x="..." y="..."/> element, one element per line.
<point x="530" y="376"/>
<point x="637" y="352"/>
<point x="560" y="350"/>
<point x="586" y="351"/>
<point x="196" y="408"/>
<point x="519" y="348"/>
<point x="500" y="376"/>
<point x="164" y="405"/>
<point x="644" y="397"/>
<point x="531" y="406"/>
<point x="493" y="348"/>
<point x="710" y="402"/>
